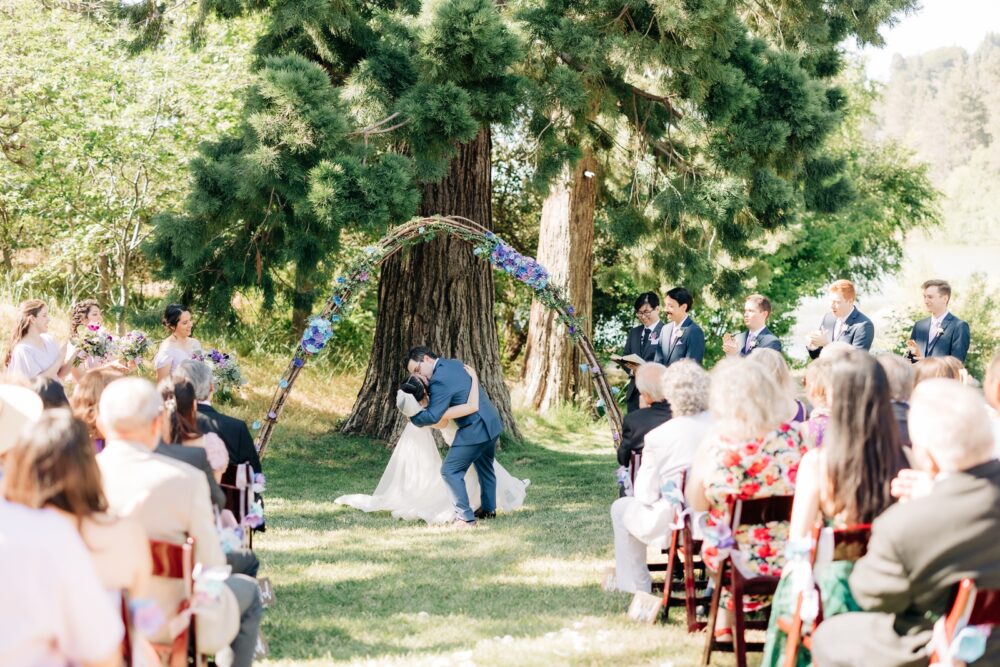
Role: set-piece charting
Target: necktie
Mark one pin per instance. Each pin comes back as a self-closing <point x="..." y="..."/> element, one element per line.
<point x="837" y="329"/>
<point x="645" y="338"/>
<point x="935" y="325"/>
<point x="751" y="337"/>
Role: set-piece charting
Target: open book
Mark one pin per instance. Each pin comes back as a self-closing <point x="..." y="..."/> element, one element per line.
<point x="626" y="360"/>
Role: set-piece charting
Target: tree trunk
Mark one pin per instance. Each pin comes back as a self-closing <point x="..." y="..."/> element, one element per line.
<point x="437" y="294"/>
<point x="566" y="248"/>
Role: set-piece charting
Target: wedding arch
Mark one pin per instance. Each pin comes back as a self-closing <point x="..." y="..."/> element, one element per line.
<point x="486" y="245"/>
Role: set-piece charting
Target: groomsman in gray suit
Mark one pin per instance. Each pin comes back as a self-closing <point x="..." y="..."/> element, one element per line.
<point x="942" y="334"/>
<point x="944" y="529"/>
<point x="843" y="324"/>
<point x="756" y="310"/>
<point x="682" y="338"/>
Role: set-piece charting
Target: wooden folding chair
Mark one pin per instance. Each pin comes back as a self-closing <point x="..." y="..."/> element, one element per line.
<point x="237" y="484"/>
<point x="743" y="512"/>
<point x="635" y="460"/>
<point x="685" y="575"/>
<point x="972" y="606"/>
<point x="849" y="543"/>
<point x="176" y="561"/>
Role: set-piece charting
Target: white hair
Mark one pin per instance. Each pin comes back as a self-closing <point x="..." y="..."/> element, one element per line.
<point x="777" y="366"/>
<point x="199" y="375"/>
<point x="129" y="404"/>
<point x="949" y="420"/>
<point x="745" y="399"/>
<point x="685" y="386"/>
<point x="649" y="380"/>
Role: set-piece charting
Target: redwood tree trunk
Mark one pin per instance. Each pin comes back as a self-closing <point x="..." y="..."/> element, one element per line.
<point x="437" y="294"/>
<point x="566" y="248"/>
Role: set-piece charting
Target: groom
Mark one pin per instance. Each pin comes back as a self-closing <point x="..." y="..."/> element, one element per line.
<point x="476" y="441"/>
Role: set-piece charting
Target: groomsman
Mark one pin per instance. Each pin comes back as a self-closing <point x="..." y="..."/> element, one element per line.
<point x="756" y="310"/>
<point x="844" y="323"/>
<point x="682" y="338"/>
<point x="942" y="334"/>
<point x="643" y="340"/>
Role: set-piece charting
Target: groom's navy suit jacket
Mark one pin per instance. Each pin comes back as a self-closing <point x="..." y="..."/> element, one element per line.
<point x="449" y="386"/>
<point x="953" y="341"/>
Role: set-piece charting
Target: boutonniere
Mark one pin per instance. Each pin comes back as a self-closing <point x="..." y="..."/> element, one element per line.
<point x="654" y="338"/>
<point x="753" y="344"/>
<point x="939" y="330"/>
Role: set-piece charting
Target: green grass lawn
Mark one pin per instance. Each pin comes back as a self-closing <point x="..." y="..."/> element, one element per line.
<point x="523" y="589"/>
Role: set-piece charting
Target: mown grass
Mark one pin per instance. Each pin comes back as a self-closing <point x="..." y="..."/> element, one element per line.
<point x="523" y="589"/>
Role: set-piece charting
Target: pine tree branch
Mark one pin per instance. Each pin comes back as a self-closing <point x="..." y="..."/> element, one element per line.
<point x="378" y="128"/>
<point x="663" y="100"/>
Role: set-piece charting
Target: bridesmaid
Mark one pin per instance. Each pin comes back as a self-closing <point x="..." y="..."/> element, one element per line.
<point x="179" y="345"/>
<point x="87" y="314"/>
<point x="32" y="351"/>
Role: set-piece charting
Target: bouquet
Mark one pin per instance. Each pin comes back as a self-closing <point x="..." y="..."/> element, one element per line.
<point x="226" y="373"/>
<point x="133" y="346"/>
<point x="93" y="343"/>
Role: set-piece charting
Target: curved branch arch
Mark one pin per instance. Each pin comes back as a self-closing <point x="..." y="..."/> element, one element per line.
<point x="420" y="230"/>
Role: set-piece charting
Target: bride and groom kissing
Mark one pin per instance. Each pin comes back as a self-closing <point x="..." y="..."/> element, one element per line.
<point x="444" y="394"/>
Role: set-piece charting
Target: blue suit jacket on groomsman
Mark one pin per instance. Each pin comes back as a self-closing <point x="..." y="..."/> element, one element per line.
<point x="450" y="386"/>
<point x="953" y="341"/>
<point x="858" y="331"/>
<point x="764" y="339"/>
<point x="690" y="345"/>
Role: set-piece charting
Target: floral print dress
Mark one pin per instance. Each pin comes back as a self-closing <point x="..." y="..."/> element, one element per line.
<point x="745" y="470"/>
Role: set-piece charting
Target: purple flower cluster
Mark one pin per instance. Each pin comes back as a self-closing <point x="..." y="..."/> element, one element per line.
<point x="524" y="269"/>
<point x="316" y="335"/>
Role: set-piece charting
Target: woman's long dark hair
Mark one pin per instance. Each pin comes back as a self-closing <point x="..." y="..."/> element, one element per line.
<point x="180" y="399"/>
<point x="862" y="445"/>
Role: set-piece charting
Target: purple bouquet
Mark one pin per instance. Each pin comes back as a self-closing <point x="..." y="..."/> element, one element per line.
<point x="133" y="346"/>
<point x="226" y="373"/>
<point x="94" y="343"/>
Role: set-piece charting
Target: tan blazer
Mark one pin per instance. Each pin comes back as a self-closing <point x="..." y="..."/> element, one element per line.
<point x="171" y="500"/>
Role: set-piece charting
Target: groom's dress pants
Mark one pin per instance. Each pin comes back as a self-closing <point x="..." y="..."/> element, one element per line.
<point x="453" y="470"/>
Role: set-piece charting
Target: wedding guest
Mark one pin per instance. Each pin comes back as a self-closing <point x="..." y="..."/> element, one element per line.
<point x="19" y="407"/>
<point x="51" y="391"/>
<point x="775" y="364"/>
<point x="53" y="466"/>
<point x="844" y="483"/>
<point x="643" y="340"/>
<point x="991" y="388"/>
<point x="86" y="400"/>
<point x="942" y="334"/>
<point x="844" y="322"/>
<point x="182" y="425"/>
<point x="751" y="452"/>
<point x="654" y="410"/>
<point x="233" y="432"/>
<point x="170" y="500"/>
<point x="196" y="457"/>
<point x="32" y="350"/>
<point x="819" y="375"/>
<point x="934" y="367"/>
<point x="900" y="374"/>
<point x="756" y="310"/>
<point x="946" y="530"/>
<point x="682" y="338"/>
<point x="669" y="450"/>
<point x="179" y="346"/>
<point x="55" y="611"/>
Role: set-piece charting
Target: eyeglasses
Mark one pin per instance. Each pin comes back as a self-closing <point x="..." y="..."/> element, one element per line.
<point x="644" y="313"/>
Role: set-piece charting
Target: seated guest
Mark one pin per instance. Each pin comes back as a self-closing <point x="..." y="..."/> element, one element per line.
<point x="182" y="425"/>
<point x="900" y="374"/>
<point x="929" y="368"/>
<point x="54" y="610"/>
<point x="654" y="410"/>
<point x="946" y="530"/>
<point x="819" y="375"/>
<point x="233" y="432"/>
<point x="51" y="392"/>
<point x="170" y="500"/>
<point x="844" y="322"/>
<point x="844" y="483"/>
<point x="751" y="452"/>
<point x="756" y="310"/>
<point x="53" y="466"/>
<point x="18" y="408"/>
<point x="87" y="397"/>
<point x="643" y="340"/>
<point x="682" y="338"/>
<point x="669" y="450"/>
<point x="942" y="334"/>
<point x="776" y="365"/>
<point x="991" y="388"/>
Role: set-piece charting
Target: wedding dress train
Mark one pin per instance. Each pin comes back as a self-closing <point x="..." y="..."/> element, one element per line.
<point x="412" y="488"/>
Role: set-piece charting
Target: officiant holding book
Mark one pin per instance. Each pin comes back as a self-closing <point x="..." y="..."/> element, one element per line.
<point x="643" y="341"/>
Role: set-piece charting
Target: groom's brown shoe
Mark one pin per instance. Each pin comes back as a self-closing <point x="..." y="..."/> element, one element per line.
<point x="462" y="524"/>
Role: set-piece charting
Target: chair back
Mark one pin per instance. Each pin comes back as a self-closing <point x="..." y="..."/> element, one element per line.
<point x="850" y="543"/>
<point x="237" y="484"/>
<point x="759" y="510"/>
<point x="634" y="461"/>
<point x="174" y="561"/>
<point x="973" y="606"/>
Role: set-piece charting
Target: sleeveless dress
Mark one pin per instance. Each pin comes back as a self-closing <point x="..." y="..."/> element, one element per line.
<point x="411" y="486"/>
<point x="28" y="361"/>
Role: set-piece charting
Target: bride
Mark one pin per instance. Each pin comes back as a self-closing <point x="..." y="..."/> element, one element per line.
<point x="411" y="486"/>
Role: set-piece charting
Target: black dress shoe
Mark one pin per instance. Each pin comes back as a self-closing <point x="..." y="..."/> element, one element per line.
<point x="480" y="514"/>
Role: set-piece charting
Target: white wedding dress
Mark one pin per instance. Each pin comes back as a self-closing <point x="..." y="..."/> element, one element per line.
<point x="412" y="488"/>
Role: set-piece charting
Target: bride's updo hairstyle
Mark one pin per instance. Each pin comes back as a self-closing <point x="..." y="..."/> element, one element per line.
<point x="413" y="386"/>
<point x="172" y="315"/>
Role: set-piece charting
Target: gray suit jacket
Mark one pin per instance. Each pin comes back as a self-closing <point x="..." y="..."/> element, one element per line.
<point x="858" y="331"/>
<point x="195" y="457"/>
<point x="919" y="550"/>
<point x="691" y="344"/>
<point x="952" y="342"/>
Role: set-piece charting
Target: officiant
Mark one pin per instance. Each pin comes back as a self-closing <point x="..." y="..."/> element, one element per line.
<point x="643" y="341"/>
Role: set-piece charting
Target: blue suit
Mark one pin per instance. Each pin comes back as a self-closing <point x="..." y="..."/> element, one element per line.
<point x="476" y="441"/>
<point x="858" y="331"/>
<point x="952" y="342"/>
<point x="691" y="344"/>
<point x="764" y="339"/>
